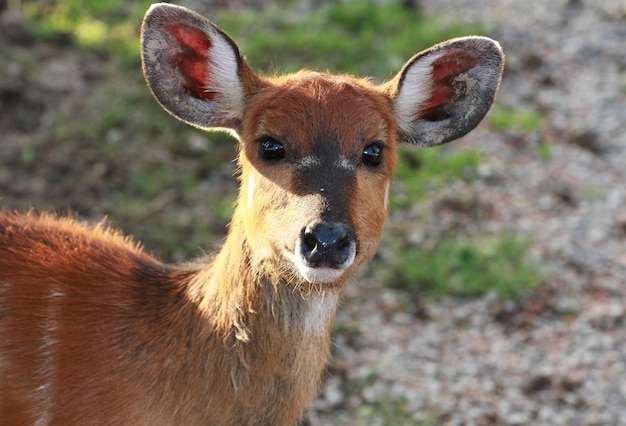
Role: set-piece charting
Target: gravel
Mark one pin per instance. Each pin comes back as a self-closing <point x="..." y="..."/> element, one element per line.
<point x="559" y="356"/>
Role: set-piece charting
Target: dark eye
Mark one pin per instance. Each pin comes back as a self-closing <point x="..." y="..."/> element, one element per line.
<point x="271" y="149"/>
<point x="373" y="154"/>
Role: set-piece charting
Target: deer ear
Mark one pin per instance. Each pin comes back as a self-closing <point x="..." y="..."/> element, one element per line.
<point x="444" y="92"/>
<point x="193" y="68"/>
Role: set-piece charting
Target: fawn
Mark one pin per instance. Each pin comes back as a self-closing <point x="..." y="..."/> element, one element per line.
<point x="95" y="331"/>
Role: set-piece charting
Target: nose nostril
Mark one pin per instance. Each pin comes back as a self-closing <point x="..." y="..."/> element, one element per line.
<point x="326" y="244"/>
<point x="344" y="242"/>
<point x="309" y="241"/>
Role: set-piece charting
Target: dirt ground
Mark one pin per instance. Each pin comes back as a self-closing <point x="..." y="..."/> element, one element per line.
<point x="557" y="357"/>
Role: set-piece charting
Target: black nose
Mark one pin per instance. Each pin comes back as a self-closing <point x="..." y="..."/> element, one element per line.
<point x="326" y="244"/>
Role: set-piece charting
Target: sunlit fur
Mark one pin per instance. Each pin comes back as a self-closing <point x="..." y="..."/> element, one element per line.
<point x="95" y="331"/>
<point x="346" y="115"/>
<point x="241" y="323"/>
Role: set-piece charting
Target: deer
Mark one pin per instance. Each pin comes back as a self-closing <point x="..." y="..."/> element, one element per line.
<point x="94" y="330"/>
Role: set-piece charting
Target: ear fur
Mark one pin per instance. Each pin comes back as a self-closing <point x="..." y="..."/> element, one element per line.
<point x="194" y="69"/>
<point x="444" y="92"/>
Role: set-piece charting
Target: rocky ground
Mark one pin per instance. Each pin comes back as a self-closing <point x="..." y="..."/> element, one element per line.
<point x="558" y="357"/>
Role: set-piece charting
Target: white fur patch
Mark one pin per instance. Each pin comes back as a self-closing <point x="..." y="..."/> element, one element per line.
<point x="225" y="75"/>
<point x="322" y="275"/>
<point x="320" y="311"/>
<point x="344" y="163"/>
<point x="318" y="275"/>
<point x="308" y="162"/>
<point x="415" y="89"/>
<point x="387" y="186"/>
<point x="50" y="325"/>
<point x="250" y="192"/>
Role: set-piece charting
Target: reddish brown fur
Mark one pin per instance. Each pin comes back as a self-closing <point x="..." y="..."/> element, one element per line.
<point x="95" y="331"/>
<point x="97" y="306"/>
<point x="351" y="113"/>
<point x="86" y="317"/>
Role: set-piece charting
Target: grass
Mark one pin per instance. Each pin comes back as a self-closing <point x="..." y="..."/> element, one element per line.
<point x="522" y="123"/>
<point x="374" y="409"/>
<point x="108" y="27"/>
<point x="422" y="171"/>
<point x="357" y="37"/>
<point x="388" y="411"/>
<point x="523" y="120"/>
<point x="458" y="265"/>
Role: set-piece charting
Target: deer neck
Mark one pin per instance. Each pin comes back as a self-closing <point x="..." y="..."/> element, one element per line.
<point x="247" y="302"/>
<point x="276" y="339"/>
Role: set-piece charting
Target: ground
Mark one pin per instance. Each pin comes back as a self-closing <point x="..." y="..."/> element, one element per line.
<point x="557" y="356"/>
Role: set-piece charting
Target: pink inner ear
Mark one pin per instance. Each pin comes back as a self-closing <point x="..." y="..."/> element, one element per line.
<point x="193" y="60"/>
<point x="445" y="69"/>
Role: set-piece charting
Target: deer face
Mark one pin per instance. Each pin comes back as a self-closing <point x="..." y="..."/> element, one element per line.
<point x="318" y="155"/>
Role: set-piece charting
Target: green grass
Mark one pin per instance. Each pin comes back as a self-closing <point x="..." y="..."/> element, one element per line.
<point x="357" y="37"/>
<point x="524" y="120"/>
<point x="422" y="171"/>
<point x="364" y="37"/>
<point x="520" y="123"/>
<point x="544" y="151"/>
<point x="388" y="411"/>
<point x="463" y="266"/>
<point x="108" y="27"/>
<point x="384" y="410"/>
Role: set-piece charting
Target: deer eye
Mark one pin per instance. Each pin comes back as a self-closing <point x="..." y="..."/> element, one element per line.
<point x="373" y="154"/>
<point x="271" y="149"/>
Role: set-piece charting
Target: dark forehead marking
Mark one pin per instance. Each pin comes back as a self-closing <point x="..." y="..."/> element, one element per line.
<point x="328" y="174"/>
<point x="315" y="173"/>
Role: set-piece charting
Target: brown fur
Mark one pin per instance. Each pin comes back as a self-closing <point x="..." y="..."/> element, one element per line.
<point x="95" y="331"/>
<point x="87" y="316"/>
<point x="344" y="115"/>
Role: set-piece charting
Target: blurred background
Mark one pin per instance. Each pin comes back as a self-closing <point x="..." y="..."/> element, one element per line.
<point x="497" y="295"/>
